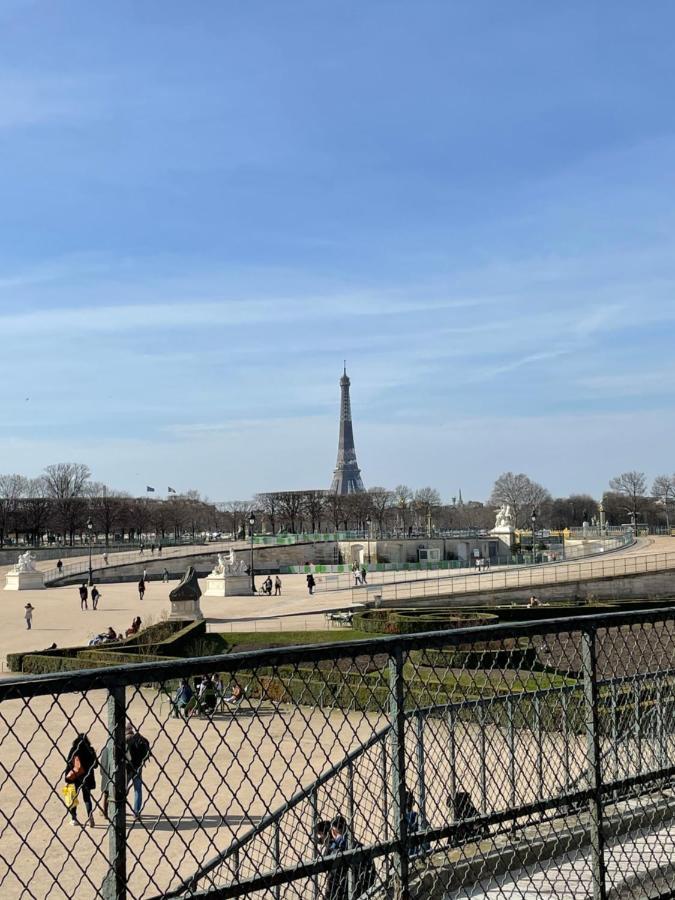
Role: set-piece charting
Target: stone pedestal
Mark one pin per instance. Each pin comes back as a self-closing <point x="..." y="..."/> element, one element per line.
<point x="228" y="586"/>
<point x="186" y="609"/>
<point x="506" y="535"/>
<point x="185" y="598"/>
<point x="24" y="581"/>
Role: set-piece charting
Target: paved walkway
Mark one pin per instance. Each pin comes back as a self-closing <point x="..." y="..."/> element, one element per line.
<point x="57" y="616"/>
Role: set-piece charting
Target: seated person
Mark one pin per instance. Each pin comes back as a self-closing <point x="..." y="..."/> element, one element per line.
<point x="207" y="697"/>
<point x="236" y="694"/>
<point x="184" y="699"/>
<point x="135" y="627"/>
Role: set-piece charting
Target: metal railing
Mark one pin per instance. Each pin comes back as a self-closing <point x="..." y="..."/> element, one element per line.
<point x="469" y="762"/>
<point x="525" y="577"/>
<point x="343" y="577"/>
<point x="81" y="567"/>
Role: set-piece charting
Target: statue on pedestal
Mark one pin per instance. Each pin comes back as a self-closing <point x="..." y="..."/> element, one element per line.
<point x="229" y="565"/>
<point x="25" y="563"/>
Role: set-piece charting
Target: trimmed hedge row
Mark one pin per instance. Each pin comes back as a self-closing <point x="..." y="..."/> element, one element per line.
<point x="415" y="621"/>
<point x="159" y="642"/>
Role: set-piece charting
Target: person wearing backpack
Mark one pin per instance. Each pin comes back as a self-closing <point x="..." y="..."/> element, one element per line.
<point x="138" y="751"/>
<point x="81" y="761"/>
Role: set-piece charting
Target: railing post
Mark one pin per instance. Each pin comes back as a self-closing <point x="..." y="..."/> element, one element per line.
<point x="637" y="730"/>
<point x="115" y="882"/>
<point x="452" y="752"/>
<point x="661" y="749"/>
<point x="566" y="740"/>
<point x="397" y="756"/>
<point x="594" y="763"/>
<point x="615" y="731"/>
<point x="511" y="737"/>
<point x="540" y="755"/>
<point x="277" y="857"/>
<point x="482" y="752"/>
<point x="351" y="880"/>
<point x="421" y="785"/>
<point x="314" y="800"/>
<point x="385" y="808"/>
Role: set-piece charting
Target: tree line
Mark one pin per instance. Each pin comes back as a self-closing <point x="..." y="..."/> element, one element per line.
<point x="629" y="499"/>
<point x="59" y="503"/>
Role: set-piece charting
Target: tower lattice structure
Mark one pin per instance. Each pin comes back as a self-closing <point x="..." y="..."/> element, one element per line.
<point x="347" y="475"/>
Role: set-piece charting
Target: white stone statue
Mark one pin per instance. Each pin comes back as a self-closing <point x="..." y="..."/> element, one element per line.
<point x="504" y="518"/>
<point x="227" y="565"/>
<point x="25" y="562"/>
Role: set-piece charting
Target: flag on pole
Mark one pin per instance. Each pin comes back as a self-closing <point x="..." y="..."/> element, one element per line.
<point x="149" y="490"/>
<point x="171" y="491"/>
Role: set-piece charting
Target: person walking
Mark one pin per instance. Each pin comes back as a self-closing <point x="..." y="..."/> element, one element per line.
<point x="95" y="596"/>
<point x="28" y="616"/>
<point x="277" y="587"/>
<point x="80" y="764"/>
<point x="141" y="588"/>
<point x="364" y="572"/>
<point x="310" y="584"/>
<point x="59" y="566"/>
<point x="84" y="596"/>
<point x="138" y="751"/>
<point x="105" y="559"/>
<point x="159" y="550"/>
<point x="152" y="549"/>
<point x="165" y="575"/>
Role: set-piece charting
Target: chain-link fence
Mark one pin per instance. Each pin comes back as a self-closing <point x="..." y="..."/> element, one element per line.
<point x="500" y="762"/>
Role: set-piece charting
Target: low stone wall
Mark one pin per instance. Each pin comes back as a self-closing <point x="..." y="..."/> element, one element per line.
<point x="405" y="550"/>
<point x="266" y="559"/>
<point x="653" y="586"/>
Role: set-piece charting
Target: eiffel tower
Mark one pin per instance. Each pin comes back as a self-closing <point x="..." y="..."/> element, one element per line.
<point x="347" y="475"/>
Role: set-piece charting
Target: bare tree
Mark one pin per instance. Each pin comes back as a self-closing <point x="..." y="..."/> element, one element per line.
<point x="37" y="507"/>
<point x="314" y="508"/>
<point x="290" y="509"/>
<point x="521" y="493"/>
<point x="663" y="491"/>
<point x="268" y="505"/>
<point x="65" y="483"/>
<point x="12" y="488"/>
<point x="425" y="501"/>
<point x="633" y="487"/>
<point x="402" y="499"/>
<point x="381" y="501"/>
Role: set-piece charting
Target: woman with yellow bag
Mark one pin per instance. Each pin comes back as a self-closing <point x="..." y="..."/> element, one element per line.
<point x="80" y="764"/>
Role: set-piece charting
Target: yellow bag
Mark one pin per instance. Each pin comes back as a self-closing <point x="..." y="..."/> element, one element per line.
<point x="69" y="792"/>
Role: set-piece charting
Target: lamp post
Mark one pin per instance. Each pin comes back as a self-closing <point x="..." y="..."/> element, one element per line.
<point x="251" y="526"/>
<point x="90" y="527"/>
<point x="533" y="519"/>
<point x="368" y="524"/>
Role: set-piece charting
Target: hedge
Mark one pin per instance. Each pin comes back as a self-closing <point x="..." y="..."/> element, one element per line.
<point x="162" y="641"/>
<point x="414" y="621"/>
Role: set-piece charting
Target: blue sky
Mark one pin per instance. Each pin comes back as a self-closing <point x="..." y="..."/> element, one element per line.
<point x="206" y="207"/>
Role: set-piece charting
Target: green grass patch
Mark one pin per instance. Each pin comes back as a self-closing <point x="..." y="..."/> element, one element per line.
<point x="243" y="641"/>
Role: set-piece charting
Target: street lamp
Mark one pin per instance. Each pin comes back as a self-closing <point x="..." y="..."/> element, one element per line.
<point x="533" y="519"/>
<point x="251" y="526"/>
<point x="368" y="524"/>
<point x="90" y="528"/>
